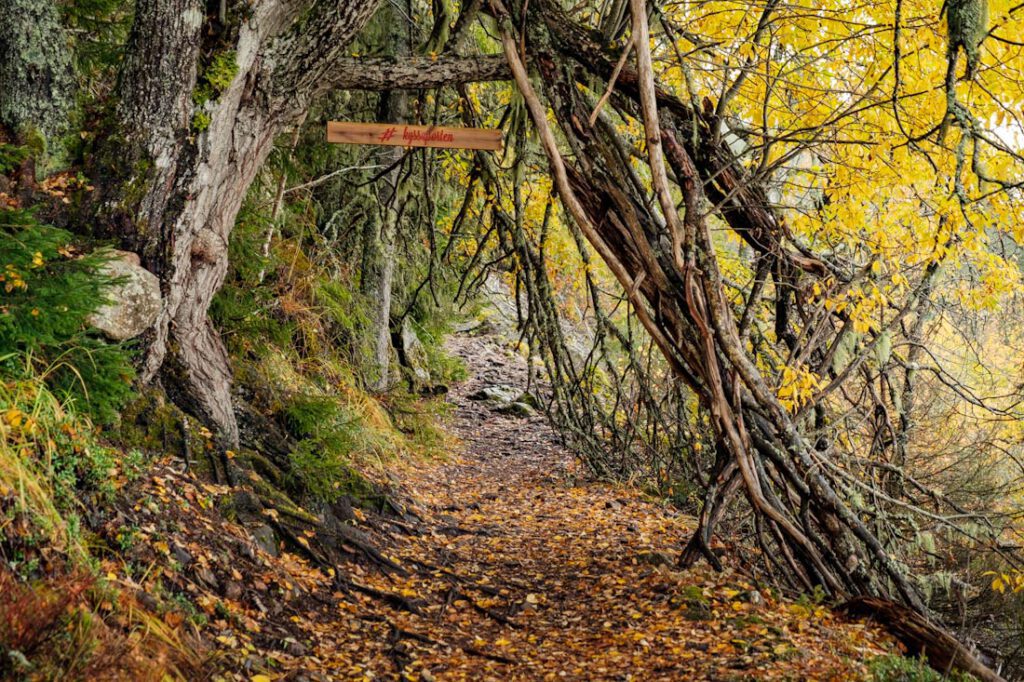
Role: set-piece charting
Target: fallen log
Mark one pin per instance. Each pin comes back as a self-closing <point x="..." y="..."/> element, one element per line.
<point x="920" y="636"/>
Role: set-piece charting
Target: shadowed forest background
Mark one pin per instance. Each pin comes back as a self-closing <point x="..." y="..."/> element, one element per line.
<point x="713" y="371"/>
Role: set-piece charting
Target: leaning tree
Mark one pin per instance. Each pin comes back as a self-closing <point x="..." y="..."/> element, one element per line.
<point x="825" y="327"/>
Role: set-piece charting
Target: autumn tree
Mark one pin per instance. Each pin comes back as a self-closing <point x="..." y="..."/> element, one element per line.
<point x="806" y="136"/>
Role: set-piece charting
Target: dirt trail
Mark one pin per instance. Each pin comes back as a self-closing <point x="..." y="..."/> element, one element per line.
<point x="521" y="569"/>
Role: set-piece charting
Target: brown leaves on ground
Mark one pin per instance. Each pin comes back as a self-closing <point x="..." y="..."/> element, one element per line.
<point x="523" y="573"/>
<point x="514" y="567"/>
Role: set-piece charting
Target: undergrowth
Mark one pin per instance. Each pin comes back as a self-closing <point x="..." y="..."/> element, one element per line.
<point x="896" y="668"/>
<point x="299" y="340"/>
<point x="49" y="292"/>
<point x="58" y="382"/>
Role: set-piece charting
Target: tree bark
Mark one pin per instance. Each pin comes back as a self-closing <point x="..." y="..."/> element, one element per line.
<point x="36" y="80"/>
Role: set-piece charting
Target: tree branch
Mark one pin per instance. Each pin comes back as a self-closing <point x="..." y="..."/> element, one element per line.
<point x="415" y="73"/>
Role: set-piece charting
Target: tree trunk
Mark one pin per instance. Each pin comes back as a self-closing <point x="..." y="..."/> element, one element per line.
<point x="183" y="168"/>
<point x="379" y="246"/>
<point x="36" y="81"/>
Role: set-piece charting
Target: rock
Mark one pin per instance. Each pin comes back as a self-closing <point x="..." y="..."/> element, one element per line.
<point x="654" y="558"/>
<point x="135" y="299"/>
<point x="516" y="409"/>
<point x="233" y="590"/>
<point x="264" y="537"/>
<point x="473" y="327"/>
<point x="180" y="555"/>
<point x="530" y="399"/>
<point x="342" y="509"/>
<point x="147" y="600"/>
<point x="206" y="576"/>
<point x="244" y="502"/>
<point x="500" y="394"/>
<point x="412" y="354"/>
<point x="294" y="647"/>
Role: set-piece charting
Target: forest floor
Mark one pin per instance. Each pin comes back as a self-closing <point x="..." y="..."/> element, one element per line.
<point x="509" y="563"/>
<point x="524" y="568"/>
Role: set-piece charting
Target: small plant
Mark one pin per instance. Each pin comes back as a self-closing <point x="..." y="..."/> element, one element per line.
<point x="11" y="156"/>
<point x="896" y="668"/>
<point x="218" y="74"/>
<point x="320" y="462"/>
<point x="815" y="598"/>
<point x="201" y="121"/>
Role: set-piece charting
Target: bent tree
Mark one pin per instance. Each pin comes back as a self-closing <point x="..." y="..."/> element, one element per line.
<point x="203" y="94"/>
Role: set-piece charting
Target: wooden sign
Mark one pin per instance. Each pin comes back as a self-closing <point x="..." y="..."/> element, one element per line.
<point x="402" y="135"/>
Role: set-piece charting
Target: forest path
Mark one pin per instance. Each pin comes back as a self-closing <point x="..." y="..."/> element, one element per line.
<point x="522" y="569"/>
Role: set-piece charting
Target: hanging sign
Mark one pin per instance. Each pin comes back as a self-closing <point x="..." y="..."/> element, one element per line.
<point x="402" y="135"/>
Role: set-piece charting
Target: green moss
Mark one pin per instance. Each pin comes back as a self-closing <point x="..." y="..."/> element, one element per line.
<point x="896" y="668"/>
<point x="152" y="423"/>
<point x="275" y="498"/>
<point x="35" y="68"/>
<point x="222" y="71"/>
<point x="967" y="21"/>
<point x="11" y="156"/>
<point x="215" y="77"/>
<point x="200" y="121"/>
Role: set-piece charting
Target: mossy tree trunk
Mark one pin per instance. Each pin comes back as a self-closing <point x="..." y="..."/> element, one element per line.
<point x="36" y="78"/>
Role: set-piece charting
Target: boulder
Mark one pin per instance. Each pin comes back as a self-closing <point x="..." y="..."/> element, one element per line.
<point x="499" y="394"/>
<point x="412" y="354"/>
<point x="264" y="537"/>
<point x="134" y="300"/>
<point x="515" y="409"/>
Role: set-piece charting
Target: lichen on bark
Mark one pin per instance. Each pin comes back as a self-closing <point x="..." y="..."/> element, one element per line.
<point x="36" y="76"/>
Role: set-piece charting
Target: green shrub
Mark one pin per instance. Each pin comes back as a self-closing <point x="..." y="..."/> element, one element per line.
<point x="11" y="156"/>
<point x="325" y="475"/>
<point x="896" y="668"/>
<point x="313" y="415"/>
<point x="330" y="437"/>
<point x="215" y="78"/>
<point x="48" y="292"/>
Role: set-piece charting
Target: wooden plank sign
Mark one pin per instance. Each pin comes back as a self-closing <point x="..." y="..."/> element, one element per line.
<point x="402" y="135"/>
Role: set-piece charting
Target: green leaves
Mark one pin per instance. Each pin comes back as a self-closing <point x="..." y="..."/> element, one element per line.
<point x="49" y="290"/>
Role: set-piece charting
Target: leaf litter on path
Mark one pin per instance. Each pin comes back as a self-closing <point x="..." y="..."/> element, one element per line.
<point x="529" y="571"/>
